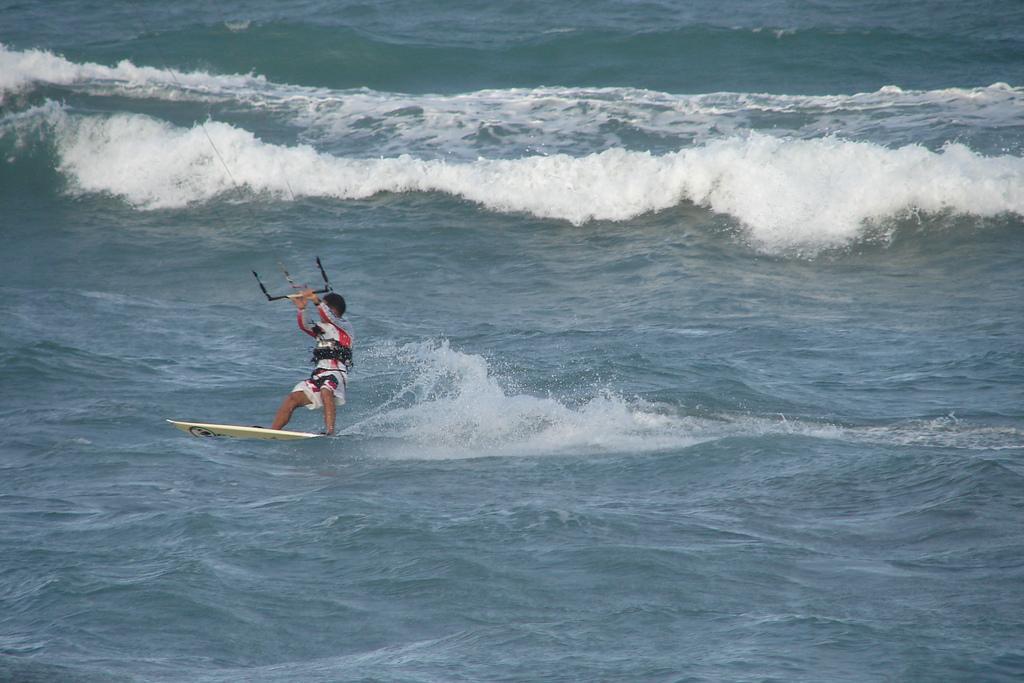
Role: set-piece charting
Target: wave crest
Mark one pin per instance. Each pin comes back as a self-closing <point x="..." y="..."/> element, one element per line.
<point x="789" y="194"/>
<point x="20" y="70"/>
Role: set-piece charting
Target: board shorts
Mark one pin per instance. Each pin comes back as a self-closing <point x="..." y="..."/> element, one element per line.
<point x="334" y="380"/>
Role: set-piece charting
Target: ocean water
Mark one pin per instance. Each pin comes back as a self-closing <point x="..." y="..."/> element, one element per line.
<point x="689" y="340"/>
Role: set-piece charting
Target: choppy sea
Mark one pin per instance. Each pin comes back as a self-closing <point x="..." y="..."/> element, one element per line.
<point x="689" y="340"/>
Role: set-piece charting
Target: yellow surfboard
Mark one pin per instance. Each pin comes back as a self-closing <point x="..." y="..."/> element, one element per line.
<point x="240" y="432"/>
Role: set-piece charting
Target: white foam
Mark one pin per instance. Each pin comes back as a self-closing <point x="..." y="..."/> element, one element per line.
<point x="515" y="122"/>
<point x="519" y="121"/>
<point x="455" y="406"/>
<point x="945" y="432"/>
<point x="21" y="69"/>
<point x="789" y="194"/>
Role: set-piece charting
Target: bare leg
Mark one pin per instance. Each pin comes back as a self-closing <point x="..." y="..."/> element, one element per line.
<point x="288" y="406"/>
<point x="328" y="398"/>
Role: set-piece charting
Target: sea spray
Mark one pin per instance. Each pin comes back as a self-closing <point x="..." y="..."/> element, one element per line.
<point x="453" y="404"/>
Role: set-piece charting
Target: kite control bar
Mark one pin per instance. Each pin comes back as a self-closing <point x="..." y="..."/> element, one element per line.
<point x="323" y="274"/>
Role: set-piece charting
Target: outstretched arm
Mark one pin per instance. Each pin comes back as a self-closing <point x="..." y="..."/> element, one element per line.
<point x="300" y="303"/>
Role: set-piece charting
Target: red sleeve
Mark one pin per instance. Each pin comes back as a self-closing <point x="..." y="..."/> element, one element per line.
<point x="322" y="309"/>
<point x="302" y="325"/>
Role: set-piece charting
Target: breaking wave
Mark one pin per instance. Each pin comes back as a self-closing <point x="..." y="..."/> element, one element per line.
<point x="787" y="194"/>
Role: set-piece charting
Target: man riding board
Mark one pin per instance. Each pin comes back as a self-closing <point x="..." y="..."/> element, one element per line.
<point x="332" y="357"/>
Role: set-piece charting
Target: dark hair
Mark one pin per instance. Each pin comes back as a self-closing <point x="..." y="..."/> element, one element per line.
<point x="336" y="302"/>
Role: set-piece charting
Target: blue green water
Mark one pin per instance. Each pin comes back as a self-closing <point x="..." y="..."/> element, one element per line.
<point x="688" y="341"/>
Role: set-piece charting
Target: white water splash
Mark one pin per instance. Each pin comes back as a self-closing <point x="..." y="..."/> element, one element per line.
<point x="454" y="405"/>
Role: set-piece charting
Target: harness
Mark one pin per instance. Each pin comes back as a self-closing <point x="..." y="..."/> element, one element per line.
<point x="331" y="349"/>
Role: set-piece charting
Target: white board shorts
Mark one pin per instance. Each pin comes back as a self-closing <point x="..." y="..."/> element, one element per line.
<point x="335" y="381"/>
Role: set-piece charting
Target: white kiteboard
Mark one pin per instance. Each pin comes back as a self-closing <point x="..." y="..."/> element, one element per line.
<point x="240" y="432"/>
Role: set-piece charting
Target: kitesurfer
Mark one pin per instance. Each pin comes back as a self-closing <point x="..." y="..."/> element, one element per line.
<point x="332" y="359"/>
